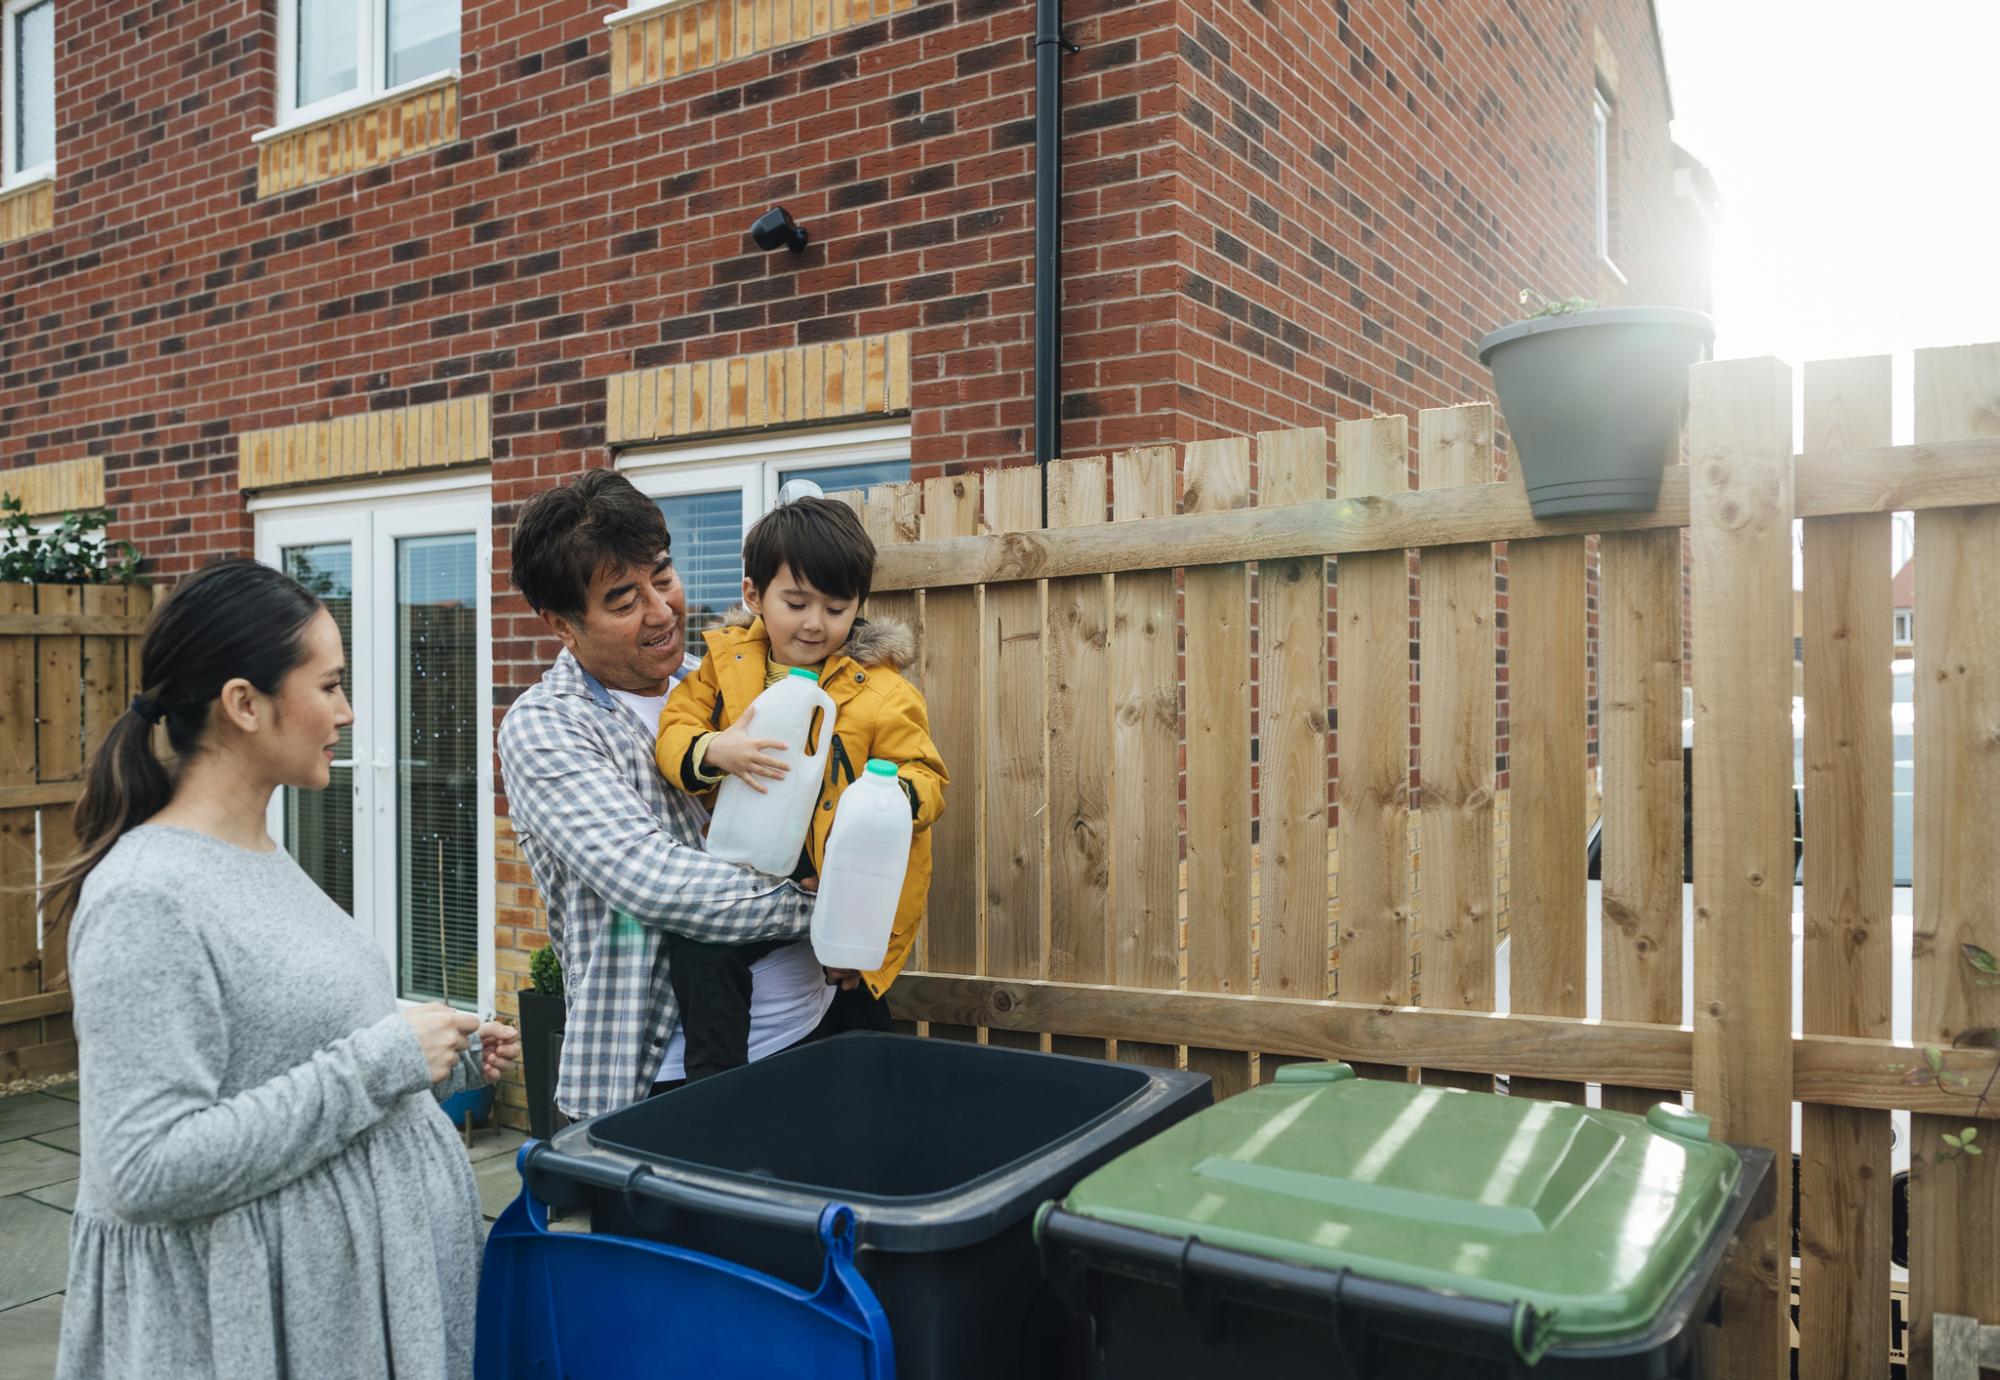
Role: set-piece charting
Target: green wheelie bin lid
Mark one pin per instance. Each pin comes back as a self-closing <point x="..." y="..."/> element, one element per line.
<point x="1592" y="1218"/>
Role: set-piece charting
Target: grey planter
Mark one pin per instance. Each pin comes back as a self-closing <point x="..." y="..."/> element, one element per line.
<point x="1593" y="401"/>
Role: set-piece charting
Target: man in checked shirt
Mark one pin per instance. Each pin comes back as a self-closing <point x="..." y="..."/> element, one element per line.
<point x="616" y="854"/>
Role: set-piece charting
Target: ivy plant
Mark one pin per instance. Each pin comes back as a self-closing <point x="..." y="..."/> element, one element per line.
<point x="73" y="552"/>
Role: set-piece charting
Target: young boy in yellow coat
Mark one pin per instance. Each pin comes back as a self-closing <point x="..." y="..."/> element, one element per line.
<point x="807" y="566"/>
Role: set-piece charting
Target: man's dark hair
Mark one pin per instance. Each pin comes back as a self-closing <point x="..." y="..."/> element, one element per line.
<point x="565" y="535"/>
<point x="821" y="540"/>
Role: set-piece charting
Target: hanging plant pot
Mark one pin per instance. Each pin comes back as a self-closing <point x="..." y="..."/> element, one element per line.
<point x="1593" y="400"/>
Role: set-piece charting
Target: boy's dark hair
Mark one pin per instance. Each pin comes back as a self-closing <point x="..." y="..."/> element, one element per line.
<point x="566" y="534"/>
<point x="821" y="540"/>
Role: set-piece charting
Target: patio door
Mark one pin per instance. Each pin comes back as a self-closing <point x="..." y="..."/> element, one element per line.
<point x="402" y="838"/>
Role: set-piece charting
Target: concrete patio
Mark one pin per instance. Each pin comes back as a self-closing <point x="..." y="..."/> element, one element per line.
<point x="38" y="1169"/>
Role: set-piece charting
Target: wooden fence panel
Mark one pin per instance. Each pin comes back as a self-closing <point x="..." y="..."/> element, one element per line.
<point x="1740" y="485"/>
<point x="19" y="951"/>
<point x="1014" y="842"/>
<point x="1372" y="734"/>
<point x="1844" y="1164"/>
<point x="1079" y="697"/>
<point x="1219" y="731"/>
<point x="1145" y="828"/>
<point x="68" y="656"/>
<point x="1547" y="736"/>
<point x="1644" y="856"/>
<point x="1955" y="1204"/>
<point x="952" y="677"/>
<point x="1294" y="915"/>
<point x="59" y="689"/>
<point x="1456" y="712"/>
<point x="893" y="515"/>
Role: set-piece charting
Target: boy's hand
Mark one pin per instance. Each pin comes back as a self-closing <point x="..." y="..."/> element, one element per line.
<point x="846" y="979"/>
<point x="736" y="753"/>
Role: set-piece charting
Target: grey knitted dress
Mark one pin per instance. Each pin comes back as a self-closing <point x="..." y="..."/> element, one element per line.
<point x="268" y="1185"/>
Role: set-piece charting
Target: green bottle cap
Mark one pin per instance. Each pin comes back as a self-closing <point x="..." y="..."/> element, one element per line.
<point x="878" y="767"/>
<point x="807" y="672"/>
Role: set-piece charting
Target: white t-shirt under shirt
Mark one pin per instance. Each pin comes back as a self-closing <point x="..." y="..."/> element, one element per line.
<point x="788" y="989"/>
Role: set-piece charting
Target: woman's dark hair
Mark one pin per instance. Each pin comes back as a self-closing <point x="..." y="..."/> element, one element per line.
<point x="566" y="534"/>
<point x="233" y="619"/>
<point x="821" y="540"/>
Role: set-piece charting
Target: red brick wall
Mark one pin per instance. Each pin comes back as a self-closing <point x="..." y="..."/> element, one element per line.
<point x="1278" y="212"/>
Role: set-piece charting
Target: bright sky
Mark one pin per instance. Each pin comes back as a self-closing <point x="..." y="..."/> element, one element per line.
<point x="1854" y="145"/>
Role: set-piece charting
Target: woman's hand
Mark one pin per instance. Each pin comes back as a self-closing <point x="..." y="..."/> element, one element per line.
<point x="442" y="1033"/>
<point x="735" y="752"/>
<point x="499" y="1049"/>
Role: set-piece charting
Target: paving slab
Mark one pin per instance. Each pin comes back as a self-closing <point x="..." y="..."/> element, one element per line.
<point x="34" y="1113"/>
<point x="499" y="1185"/>
<point x="26" y="1164"/>
<point x="36" y="1261"/>
<point x="502" y="1140"/>
<point x="68" y="1138"/>
<point x="66" y="1091"/>
<point x="28" y="1337"/>
<point x="62" y="1195"/>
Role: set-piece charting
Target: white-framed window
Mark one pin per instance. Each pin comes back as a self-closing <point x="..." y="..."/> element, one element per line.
<point x="27" y="90"/>
<point x="1600" y="132"/>
<point x="402" y="839"/>
<point x="333" y="54"/>
<point x="711" y="494"/>
<point x="1903" y="625"/>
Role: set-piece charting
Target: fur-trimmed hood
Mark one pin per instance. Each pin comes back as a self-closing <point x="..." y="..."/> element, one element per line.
<point x="871" y="642"/>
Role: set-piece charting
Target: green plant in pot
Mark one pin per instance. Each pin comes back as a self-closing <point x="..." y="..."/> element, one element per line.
<point x="1593" y="398"/>
<point x="543" y="1014"/>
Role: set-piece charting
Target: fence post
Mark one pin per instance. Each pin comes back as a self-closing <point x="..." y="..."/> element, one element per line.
<point x="1955" y="1207"/>
<point x="1455" y="678"/>
<point x="1372" y="734"/>
<point x="1844" y="1168"/>
<point x="1740" y="509"/>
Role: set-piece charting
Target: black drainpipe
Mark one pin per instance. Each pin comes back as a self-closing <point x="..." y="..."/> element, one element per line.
<point x="1049" y="47"/>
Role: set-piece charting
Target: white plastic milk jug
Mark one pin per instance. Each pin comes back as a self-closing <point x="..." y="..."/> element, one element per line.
<point x="861" y="877"/>
<point x="767" y="830"/>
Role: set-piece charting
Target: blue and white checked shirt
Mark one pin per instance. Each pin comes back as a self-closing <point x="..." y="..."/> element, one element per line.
<point x="618" y="858"/>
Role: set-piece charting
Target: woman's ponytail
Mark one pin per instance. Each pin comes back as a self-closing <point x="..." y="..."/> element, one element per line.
<point x="235" y="618"/>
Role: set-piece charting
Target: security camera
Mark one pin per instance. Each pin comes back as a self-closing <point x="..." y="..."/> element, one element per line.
<point x="776" y="229"/>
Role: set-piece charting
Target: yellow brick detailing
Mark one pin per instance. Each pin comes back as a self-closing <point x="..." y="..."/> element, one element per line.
<point x="61" y="486"/>
<point x="392" y="128"/>
<point x="672" y="40"/>
<point x="27" y="211"/>
<point x="394" y="441"/>
<point x="807" y="383"/>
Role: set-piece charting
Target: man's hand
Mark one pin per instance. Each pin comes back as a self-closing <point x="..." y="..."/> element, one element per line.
<point x="734" y="752"/>
<point x="847" y="979"/>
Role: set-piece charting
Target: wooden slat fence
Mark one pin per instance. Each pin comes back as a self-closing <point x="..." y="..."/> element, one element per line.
<point x="68" y="656"/>
<point x="1113" y="695"/>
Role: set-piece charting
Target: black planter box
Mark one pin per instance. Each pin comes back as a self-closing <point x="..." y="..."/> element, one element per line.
<point x="542" y="1021"/>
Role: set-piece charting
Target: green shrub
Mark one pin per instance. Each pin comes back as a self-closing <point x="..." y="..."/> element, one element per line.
<point x="71" y="553"/>
<point x="545" y="970"/>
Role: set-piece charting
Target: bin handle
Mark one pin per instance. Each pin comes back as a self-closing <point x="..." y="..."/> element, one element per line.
<point x="641" y="1182"/>
<point x="1515" y="1329"/>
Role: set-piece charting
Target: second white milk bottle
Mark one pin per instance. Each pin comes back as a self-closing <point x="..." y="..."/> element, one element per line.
<point x="767" y="830"/>
<point x="861" y="877"/>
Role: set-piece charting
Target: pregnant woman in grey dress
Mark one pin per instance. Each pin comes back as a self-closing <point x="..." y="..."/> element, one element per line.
<point x="269" y="1187"/>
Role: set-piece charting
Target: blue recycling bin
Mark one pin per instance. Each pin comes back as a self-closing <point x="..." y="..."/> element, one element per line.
<point x="575" y="1304"/>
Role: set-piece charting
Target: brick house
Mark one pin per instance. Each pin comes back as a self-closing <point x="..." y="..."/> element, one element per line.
<point x="341" y="282"/>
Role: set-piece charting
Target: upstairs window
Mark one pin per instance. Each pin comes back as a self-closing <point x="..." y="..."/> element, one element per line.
<point x="28" y="113"/>
<point x="339" y="53"/>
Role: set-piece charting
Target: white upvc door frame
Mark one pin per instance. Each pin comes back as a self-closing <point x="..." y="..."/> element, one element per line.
<point x="373" y="521"/>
